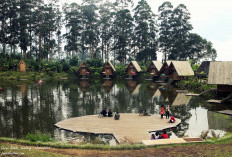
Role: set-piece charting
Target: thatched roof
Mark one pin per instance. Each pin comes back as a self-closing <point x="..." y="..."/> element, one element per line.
<point x="136" y="90"/>
<point x="157" y="64"/>
<point x="203" y="69"/>
<point x="183" y="68"/>
<point x="112" y="66"/>
<point x="136" y="65"/>
<point x="181" y="99"/>
<point x="220" y="73"/>
<point x="156" y="94"/>
<point x="168" y="62"/>
<point x="83" y="64"/>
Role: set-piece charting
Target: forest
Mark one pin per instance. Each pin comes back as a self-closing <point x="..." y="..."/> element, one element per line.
<point x="46" y="31"/>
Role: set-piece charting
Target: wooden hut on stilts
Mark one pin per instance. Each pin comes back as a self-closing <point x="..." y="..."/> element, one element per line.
<point x="203" y="70"/>
<point x="180" y="70"/>
<point x="220" y="74"/>
<point x="133" y="70"/>
<point x="83" y="71"/>
<point x="153" y="69"/>
<point x="164" y="69"/>
<point x="108" y="70"/>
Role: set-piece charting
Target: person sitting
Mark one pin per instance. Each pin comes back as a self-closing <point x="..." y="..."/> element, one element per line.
<point x="145" y="113"/>
<point x="172" y="120"/>
<point x="141" y="113"/>
<point x="157" y="135"/>
<point x="110" y="113"/>
<point x="164" y="135"/>
<point x="116" y="116"/>
<point x="152" y="137"/>
<point x="103" y="112"/>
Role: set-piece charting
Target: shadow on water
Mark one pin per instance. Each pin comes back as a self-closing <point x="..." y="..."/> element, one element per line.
<point x="31" y="107"/>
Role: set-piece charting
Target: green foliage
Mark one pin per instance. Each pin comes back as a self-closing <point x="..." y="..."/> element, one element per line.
<point x="38" y="137"/>
<point x="120" y="70"/>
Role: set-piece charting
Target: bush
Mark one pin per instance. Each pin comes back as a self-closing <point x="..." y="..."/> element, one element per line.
<point x="38" y="137"/>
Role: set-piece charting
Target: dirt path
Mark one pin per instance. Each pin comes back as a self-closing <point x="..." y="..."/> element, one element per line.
<point x="194" y="150"/>
<point x="204" y="150"/>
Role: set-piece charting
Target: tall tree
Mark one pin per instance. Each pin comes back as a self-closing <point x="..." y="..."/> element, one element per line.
<point x="181" y="28"/>
<point x="165" y="29"/>
<point x="4" y="15"/>
<point x="145" y="31"/>
<point x="74" y="28"/>
<point x="122" y="33"/>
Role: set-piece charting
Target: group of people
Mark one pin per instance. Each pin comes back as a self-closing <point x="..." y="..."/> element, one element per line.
<point x="166" y="111"/>
<point x="157" y="135"/>
<point x="144" y="113"/>
<point x="104" y="113"/>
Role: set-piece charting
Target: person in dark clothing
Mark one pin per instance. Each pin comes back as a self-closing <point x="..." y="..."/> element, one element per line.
<point x="117" y="116"/>
<point x="104" y="112"/>
<point x="110" y="113"/>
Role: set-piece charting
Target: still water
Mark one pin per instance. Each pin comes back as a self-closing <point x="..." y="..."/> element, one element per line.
<point x="28" y="107"/>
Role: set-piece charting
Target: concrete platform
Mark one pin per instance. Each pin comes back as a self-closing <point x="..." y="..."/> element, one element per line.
<point x="131" y="127"/>
<point x="170" y="141"/>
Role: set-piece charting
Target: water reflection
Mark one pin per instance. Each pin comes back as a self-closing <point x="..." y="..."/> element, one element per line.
<point x="29" y="107"/>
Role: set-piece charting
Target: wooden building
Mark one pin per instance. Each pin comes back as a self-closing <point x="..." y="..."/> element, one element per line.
<point x="203" y="70"/>
<point x="181" y="99"/>
<point x="180" y="70"/>
<point x="154" y="68"/>
<point x="164" y="69"/>
<point x="108" y="70"/>
<point x="132" y="87"/>
<point x="220" y="74"/>
<point x="133" y="69"/>
<point x="83" y="71"/>
<point x="84" y="85"/>
<point x="108" y="85"/>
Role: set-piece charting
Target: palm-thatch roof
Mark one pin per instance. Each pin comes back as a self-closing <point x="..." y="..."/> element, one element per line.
<point x="112" y="66"/>
<point x="220" y="73"/>
<point x="203" y="69"/>
<point x="83" y="64"/>
<point x="157" y="64"/>
<point x="168" y="62"/>
<point x="136" y="65"/>
<point x="183" y="68"/>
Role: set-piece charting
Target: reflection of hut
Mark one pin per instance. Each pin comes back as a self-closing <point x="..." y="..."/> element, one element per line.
<point x="154" y="68"/>
<point x="203" y="69"/>
<point x="164" y="69"/>
<point x="133" y="87"/>
<point x="84" y="85"/>
<point x="133" y="69"/>
<point x="23" y="89"/>
<point x="181" y="99"/>
<point x="22" y="66"/>
<point x="108" y="70"/>
<point x="180" y="70"/>
<point x="108" y="85"/>
<point x="83" y="71"/>
<point x="220" y="74"/>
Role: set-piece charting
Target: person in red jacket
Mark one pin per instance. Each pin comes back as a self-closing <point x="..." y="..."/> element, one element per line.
<point x="172" y="120"/>
<point x="164" y="135"/>
<point x="162" y="111"/>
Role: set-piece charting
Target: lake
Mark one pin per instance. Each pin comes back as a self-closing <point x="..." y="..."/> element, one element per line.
<point x="29" y="107"/>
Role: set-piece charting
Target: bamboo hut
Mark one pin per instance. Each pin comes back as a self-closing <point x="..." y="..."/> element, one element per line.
<point x="220" y="74"/>
<point x="180" y="70"/>
<point x="133" y="69"/>
<point x="164" y="69"/>
<point x="108" y="70"/>
<point x="203" y="70"/>
<point x="154" y="68"/>
<point x="83" y="71"/>
<point x="22" y="66"/>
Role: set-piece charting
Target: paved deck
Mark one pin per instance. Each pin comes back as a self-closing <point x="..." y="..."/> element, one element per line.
<point x="170" y="141"/>
<point x="131" y="127"/>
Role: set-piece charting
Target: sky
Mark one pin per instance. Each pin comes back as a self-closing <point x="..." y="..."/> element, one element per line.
<point x="211" y="19"/>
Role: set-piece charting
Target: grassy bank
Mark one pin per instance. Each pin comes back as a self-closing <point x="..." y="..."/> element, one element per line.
<point x="223" y="140"/>
<point x="17" y="76"/>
